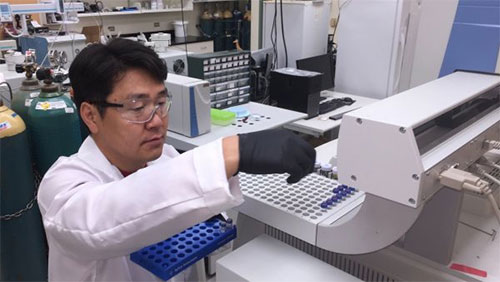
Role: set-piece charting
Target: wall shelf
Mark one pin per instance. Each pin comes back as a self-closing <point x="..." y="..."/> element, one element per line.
<point x="212" y="1"/>
<point x="123" y="13"/>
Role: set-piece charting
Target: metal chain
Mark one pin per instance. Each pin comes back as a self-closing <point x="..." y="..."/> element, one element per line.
<point x="29" y="205"/>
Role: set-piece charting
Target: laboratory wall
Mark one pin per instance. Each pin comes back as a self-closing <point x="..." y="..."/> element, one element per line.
<point x="475" y="37"/>
<point x="434" y="27"/>
<point x="256" y="28"/>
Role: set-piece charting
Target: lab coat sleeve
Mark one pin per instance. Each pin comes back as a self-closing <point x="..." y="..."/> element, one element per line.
<point x="92" y="220"/>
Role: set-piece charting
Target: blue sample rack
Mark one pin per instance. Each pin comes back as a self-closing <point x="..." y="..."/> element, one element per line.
<point x="168" y="258"/>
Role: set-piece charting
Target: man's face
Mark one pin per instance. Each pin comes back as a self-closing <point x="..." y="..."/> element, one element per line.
<point x="131" y="145"/>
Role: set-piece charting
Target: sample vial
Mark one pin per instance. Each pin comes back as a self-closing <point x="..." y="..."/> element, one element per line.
<point x="317" y="167"/>
<point x="222" y="226"/>
<point x="335" y="173"/>
<point x="226" y="225"/>
<point x="326" y="170"/>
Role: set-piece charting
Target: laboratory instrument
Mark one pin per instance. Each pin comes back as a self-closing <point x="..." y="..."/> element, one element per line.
<point x="190" y="110"/>
<point x="324" y="64"/>
<point x="398" y="154"/>
<point x="176" y="61"/>
<point x="71" y="44"/>
<point x="296" y="90"/>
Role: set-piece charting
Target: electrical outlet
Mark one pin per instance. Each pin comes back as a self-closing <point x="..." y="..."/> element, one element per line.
<point x="156" y="24"/>
<point x="111" y="28"/>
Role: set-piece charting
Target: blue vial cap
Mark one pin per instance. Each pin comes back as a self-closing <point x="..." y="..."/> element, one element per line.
<point x="343" y="186"/>
<point x="324" y="205"/>
<point x="352" y="189"/>
<point x="343" y="193"/>
<point x="329" y="202"/>
<point x="334" y="199"/>
<point x="336" y="190"/>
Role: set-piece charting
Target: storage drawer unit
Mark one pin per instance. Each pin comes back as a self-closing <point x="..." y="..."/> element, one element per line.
<point x="228" y="73"/>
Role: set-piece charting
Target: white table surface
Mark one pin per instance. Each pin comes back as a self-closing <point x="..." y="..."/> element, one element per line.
<point x="267" y="259"/>
<point x="269" y="117"/>
<point x="317" y="126"/>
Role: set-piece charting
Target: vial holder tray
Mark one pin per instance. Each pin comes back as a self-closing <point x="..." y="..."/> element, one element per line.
<point x="297" y="208"/>
<point x="168" y="258"/>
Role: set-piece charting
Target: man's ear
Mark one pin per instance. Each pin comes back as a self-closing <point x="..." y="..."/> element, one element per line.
<point x="90" y="116"/>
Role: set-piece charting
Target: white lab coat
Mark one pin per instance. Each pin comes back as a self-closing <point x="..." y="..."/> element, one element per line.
<point x="94" y="217"/>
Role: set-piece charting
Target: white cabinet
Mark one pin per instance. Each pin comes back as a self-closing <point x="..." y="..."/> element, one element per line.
<point x="197" y="47"/>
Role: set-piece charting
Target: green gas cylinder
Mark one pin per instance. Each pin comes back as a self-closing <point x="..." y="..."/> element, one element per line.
<point x="245" y="29"/>
<point x="228" y="29"/>
<point x="220" y="35"/>
<point x="21" y="100"/>
<point x="23" y="248"/>
<point x="207" y="23"/>
<point x="54" y="127"/>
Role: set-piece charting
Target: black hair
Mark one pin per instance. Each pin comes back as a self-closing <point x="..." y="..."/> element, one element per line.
<point x="98" y="67"/>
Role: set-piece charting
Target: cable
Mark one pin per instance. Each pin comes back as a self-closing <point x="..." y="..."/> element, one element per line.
<point x="491" y="199"/>
<point x="462" y="180"/>
<point x="274" y="40"/>
<point x="184" y="28"/>
<point x="102" y="20"/>
<point x="487" y="175"/>
<point x="73" y="40"/>
<point x="57" y="35"/>
<point x="283" y="33"/>
<point x="485" y="161"/>
<point x="338" y="16"/>
<point x="492" y="144"/>
<point x="494" y="205"/>
<point x="10" y="89"/>
<point x="11" y="34"/>
<point x="51" y="45"/>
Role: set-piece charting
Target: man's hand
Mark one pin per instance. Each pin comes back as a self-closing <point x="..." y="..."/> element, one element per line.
<point x="276" y="151"/>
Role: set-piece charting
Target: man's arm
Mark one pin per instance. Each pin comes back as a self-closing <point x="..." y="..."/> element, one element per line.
<point x="231" y="151"/>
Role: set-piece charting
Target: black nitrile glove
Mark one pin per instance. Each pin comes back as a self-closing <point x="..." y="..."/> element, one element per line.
<point x="276" y="151"/>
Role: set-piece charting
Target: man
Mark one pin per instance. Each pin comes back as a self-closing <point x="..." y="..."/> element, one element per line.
<point x="125" y="189"/>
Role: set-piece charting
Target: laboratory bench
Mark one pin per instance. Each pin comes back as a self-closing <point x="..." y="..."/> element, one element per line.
<point x="195" y="44"/>
<point x="261" y="117"/>
<point x="322" y="124"/>
<point x="188" y="39"/>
